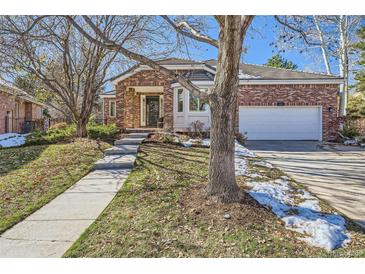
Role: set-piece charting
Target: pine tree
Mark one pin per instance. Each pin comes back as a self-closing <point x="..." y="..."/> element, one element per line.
<point x="278" y="61"/>
<point x="356" y="105"/>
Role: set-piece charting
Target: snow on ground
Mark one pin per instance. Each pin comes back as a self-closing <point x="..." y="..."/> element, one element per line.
<point x="327" y="231"/>
<point x="12" y="139"/>
<point x="263" y="164"/>
<point x="321" y="230"/>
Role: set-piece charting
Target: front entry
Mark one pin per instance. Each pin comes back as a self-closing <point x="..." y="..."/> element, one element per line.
<point x="152" y="110"/>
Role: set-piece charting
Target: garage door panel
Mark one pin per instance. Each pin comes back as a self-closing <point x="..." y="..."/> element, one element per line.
<point x="280" y="123"/>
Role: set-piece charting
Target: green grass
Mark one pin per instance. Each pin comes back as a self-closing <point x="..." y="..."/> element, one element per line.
<point x="32" y="176"/>
<point x="161" y="212"/>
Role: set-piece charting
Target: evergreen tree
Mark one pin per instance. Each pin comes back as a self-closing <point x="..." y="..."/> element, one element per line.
<point x="278" y="61"/>
<point x="356" y="105"/>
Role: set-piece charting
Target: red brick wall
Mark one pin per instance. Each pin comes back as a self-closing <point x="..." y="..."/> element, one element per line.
<point x="108" y="119"/>
<point x="6" y="104"/>
<point x="296" y="95"/>
<point x="128" y="103"/>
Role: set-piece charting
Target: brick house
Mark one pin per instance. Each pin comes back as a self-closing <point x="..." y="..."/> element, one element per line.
<point x="19" y="112"/>
<point x="272" y="103"/>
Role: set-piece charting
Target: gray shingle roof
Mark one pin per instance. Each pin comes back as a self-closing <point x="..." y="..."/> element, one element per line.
<point x="199" y="75"/>
<point x="270" y="73"/>
<point x="248" y="71"/>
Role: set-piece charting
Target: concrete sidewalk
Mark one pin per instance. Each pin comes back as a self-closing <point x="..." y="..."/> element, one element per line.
<point x="51" y="230"/>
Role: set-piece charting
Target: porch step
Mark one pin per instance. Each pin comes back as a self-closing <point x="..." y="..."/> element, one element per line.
<point x="116" y="162"/>
<point x="137" y="135"/>
<point x="142" y="130"/>
<point x="129" y="141"/>
<point x="121" y="149"/>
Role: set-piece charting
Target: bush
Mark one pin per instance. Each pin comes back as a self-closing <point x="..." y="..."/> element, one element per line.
<point x="59" y="126"/>
<point x="61" y="132"/>
<point x="241" y="138"/>
<point x="198" y="130"/>
<point x="104" y="132"/>
<point x="349" y="131"/>
<point x="53" y="135"/>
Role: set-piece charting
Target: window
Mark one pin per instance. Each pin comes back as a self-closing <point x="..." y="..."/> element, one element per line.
<point x="112" y="108"/>
<point x="180" y="100"/>
<point x="197" y="103"/>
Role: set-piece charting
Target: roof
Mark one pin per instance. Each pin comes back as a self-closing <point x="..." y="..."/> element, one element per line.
<point x="205" y="70"/>
<point x="271" y="73"/>
<point x="199" y="75"/>
<point x="21" y="94"/>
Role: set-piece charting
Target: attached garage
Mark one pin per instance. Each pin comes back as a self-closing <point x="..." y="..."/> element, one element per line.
<point x="281" y="123"/>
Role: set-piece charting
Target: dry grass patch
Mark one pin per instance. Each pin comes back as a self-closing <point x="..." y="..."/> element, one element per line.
<point x="32" y="176"/>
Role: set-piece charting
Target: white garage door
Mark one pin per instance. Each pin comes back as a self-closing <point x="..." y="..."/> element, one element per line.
<point x="281" y="123"/>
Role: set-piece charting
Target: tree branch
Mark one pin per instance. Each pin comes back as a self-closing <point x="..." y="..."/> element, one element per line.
<point x="192" y="33"/>
<point x="111" y="45"/>
<point x="301" y="32"/>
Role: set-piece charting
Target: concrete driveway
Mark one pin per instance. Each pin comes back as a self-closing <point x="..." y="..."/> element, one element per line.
<point x="335" y="174"/>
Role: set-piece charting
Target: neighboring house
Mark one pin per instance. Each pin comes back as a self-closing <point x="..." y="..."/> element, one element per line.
<point x="272" y="103"/>
<point x="19" y="112"/>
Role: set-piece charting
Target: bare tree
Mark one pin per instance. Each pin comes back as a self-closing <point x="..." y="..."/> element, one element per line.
<point x="222" y="97"/>
<point x="333" y="35"/>
<point x="72" y="69"/>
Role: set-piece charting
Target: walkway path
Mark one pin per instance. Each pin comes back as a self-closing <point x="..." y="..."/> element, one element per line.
<point x="51" y="230"/>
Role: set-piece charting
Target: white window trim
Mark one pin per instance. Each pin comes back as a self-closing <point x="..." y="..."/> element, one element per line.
<point x="183" y="100"/>
<point x="115" y="108"/>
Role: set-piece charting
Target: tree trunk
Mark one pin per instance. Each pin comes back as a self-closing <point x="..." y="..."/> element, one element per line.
<point x="343" y="62"/>
<point x="323" y="45"/>
<point x="81" y="130"/>
<point x="222" y="180"/>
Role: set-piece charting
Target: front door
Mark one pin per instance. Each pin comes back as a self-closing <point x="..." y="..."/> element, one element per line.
<point x="152" y="110"/>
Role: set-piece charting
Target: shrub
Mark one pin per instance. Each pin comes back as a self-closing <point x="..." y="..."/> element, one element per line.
<point x="61" y="132"/>
<point x="104" y="132"/>
<point x="196" y="129"/>
<point x="349" y="130"/>
<point x="241" y="138"/>
<point x="53" y="135"/>
<point x="59" y="126"/>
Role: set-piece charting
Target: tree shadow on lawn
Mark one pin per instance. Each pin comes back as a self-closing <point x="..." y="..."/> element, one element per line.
<point x="16" y="157"/>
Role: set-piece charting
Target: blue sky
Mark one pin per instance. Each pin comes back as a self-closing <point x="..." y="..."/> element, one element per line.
<point x="258" y="39"/>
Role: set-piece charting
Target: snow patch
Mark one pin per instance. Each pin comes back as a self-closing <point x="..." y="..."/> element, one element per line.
<point x="240" y="150"/>
<point x="327" y="231"/>
<point x="263" y="164"/>
<point x="12" y="139"/>
<point x="190" y="142"/>
<point x="240" y="161"/>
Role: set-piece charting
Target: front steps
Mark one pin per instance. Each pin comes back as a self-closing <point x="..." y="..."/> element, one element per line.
<point x="122" y="149"/>
<point x="129" y="141"/>
<point x="123" y="154"/>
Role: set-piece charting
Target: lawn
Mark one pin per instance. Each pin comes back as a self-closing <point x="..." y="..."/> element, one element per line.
<point x="161" y="211"/>
<point x="32" y="176"/>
